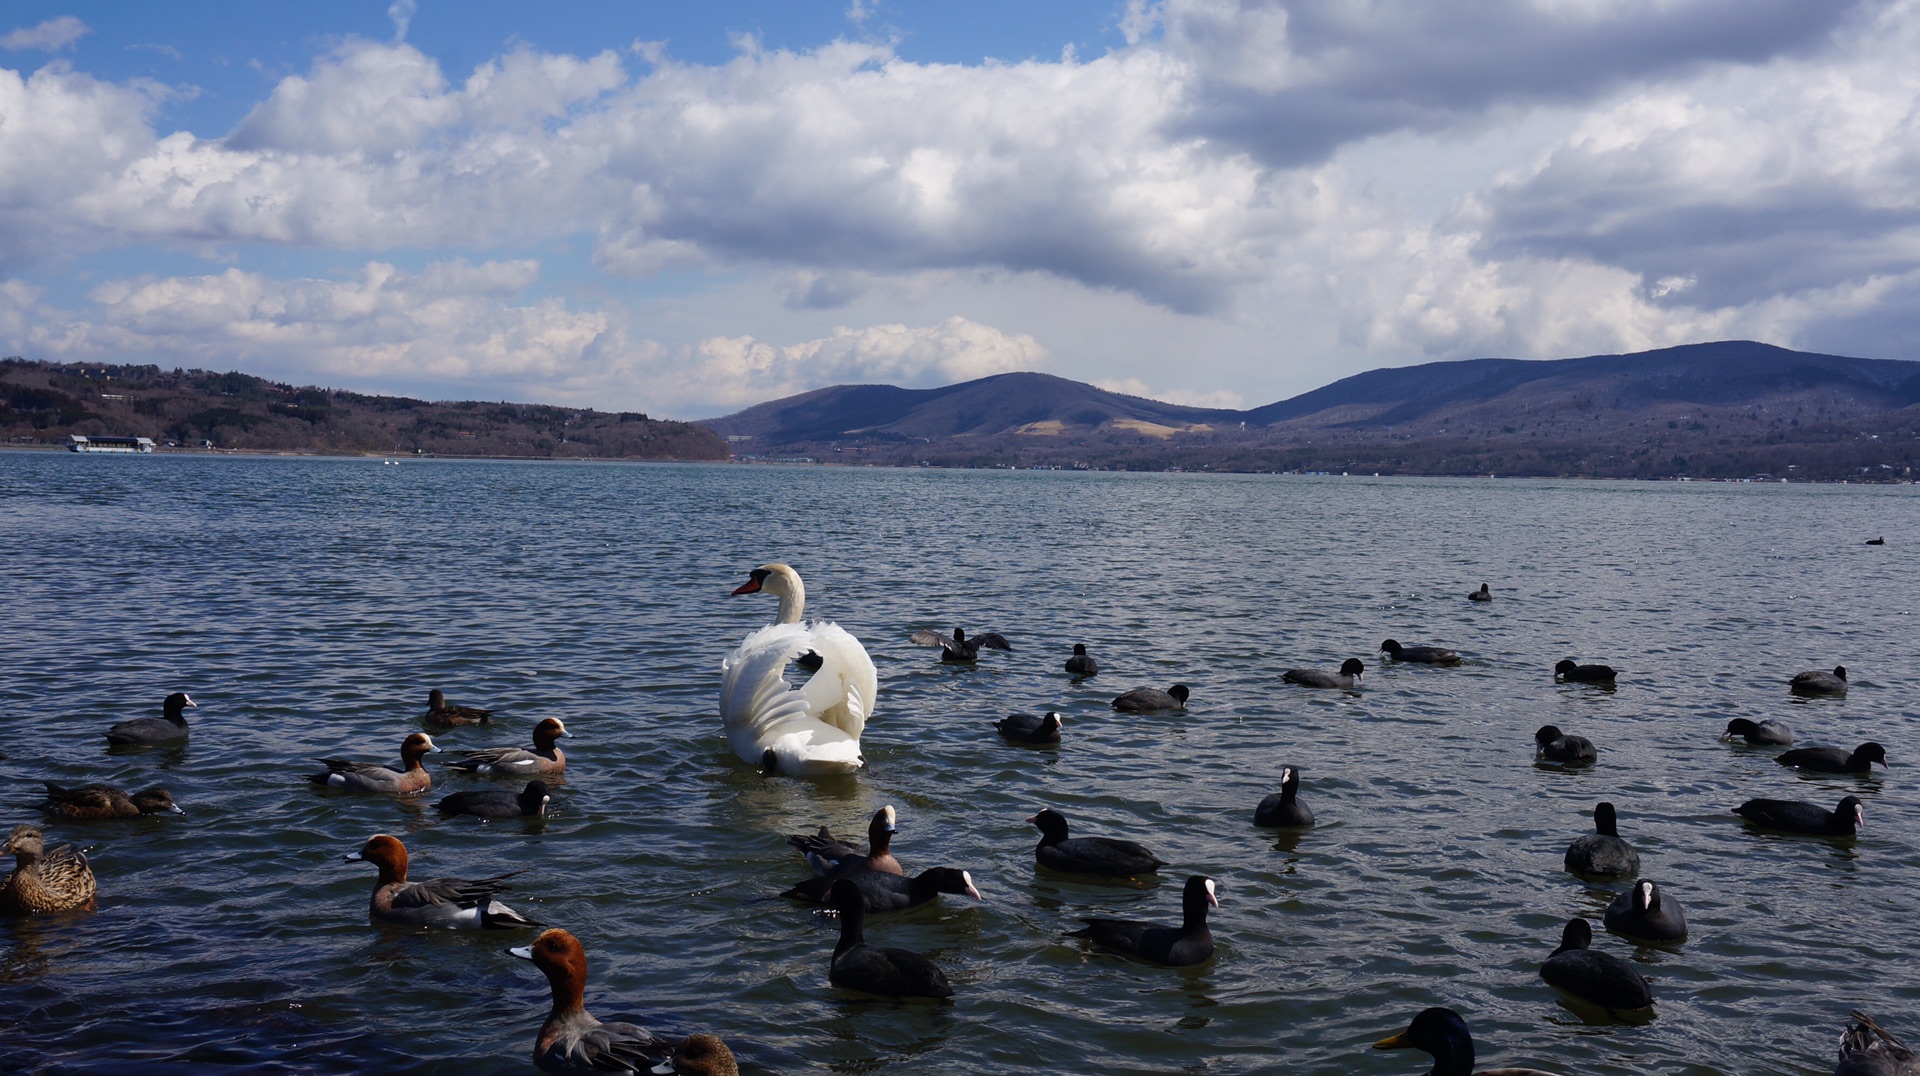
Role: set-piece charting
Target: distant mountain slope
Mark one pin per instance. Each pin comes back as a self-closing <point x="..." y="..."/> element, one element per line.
<point x="44" y="402"/>
<point x="1718" y="374"/>
<point x="1002" y="403"/>
<point x="1726" y="409"/>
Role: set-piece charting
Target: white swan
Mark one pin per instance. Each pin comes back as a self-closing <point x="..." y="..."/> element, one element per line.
<point x="805" y="731"/>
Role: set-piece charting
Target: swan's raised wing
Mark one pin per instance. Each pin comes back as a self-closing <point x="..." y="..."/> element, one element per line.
<point x="812" y="730"/>
<point x="842" y="693"/>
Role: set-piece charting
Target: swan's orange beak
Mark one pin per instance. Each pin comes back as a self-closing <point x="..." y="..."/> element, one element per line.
<point x="751" y="586"/>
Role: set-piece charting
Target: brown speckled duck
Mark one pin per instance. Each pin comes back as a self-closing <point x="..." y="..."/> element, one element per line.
<point x="95" y="802"/>
<point x="442" y="716"/>
<point x="59" y="881"/>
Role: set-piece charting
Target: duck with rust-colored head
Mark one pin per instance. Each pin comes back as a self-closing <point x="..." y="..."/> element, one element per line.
<point x="572" y="1040"/>
<point x="545" y="760"/>
<point x="410" y="780"/>
<point x="456" y="903"/>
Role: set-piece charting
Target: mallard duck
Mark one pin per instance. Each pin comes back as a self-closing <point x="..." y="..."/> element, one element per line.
<point x="1443" y="1033"/>
<point x="1867" y="1050"/>
<point x="439" y="715"/>
<point x="94" y="802"/>
<point x="42" y="881"/>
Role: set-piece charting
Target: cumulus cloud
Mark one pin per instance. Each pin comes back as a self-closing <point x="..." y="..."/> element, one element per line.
<point x="464" y="327"/>
<point x="50" y="36"/>
<point x="1132" y="386"/>
<point x="1292" y="81"/>
<point x="1714" y="167"/>
<point x="735" y="372"/>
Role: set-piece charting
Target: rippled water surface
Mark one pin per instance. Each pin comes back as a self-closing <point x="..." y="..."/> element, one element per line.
<point x="309" y="605"/>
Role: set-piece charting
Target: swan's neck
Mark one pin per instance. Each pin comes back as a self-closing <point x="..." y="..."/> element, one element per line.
<point x="793" y="597"/>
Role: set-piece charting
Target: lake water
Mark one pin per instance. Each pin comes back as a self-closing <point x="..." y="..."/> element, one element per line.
<point x="308" y="605"/>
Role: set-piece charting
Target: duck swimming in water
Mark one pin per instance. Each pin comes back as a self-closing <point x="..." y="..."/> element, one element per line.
<point x="1348" y="677"/>
<point x="1443" y="1033"/>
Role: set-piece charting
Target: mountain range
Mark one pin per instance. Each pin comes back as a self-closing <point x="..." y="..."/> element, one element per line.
<point x="1723" y="410"/>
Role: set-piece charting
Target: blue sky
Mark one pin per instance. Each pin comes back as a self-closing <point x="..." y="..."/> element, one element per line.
<point x="687" y="209"/>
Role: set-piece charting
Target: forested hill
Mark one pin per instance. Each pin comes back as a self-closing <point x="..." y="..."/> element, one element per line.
<point x="1732" y="409"/>
<point x="45" y="402"/>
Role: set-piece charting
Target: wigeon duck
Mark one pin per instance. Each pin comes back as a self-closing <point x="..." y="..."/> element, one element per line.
<point x="1482" y="595"/>
<point x="1026" y="728"/>
<point x="370" y="777"/>
<point x="1602" y="854"/>
<point x="701" y="1055"/>
<point x="894" y="973"/>
<point x="1351" y="672"/>
<point x="170" y="729"/>
<point x="1088" y="855"/>
<point x="1081" y="664"/>
<point x="1283" y="809"/>
<point x="1571" y="671"/>
<point x="1799" y="816"/>
<point x="42" y="881"/>
<point x="456" y="903"/>
<point x="958" y="649"/>
<point x="1552" y="745"/>
<point x="572" y="1040"/>
<point x="1867" y="1050"/>
<point x="1420" y="655"/>
<point x="888" y="892"/>
<point x="1645" y="913"/>
<point x="1592" y="976"/>
<point x="1834" y="759"/>
<point x="1758" y="732"/>
<point x="441" y="716"/>
<point x="1189" y="943"/>
<point x="827" y="854"/>
<point x="1443" y="1033"/>
<point x="497" y="803"/>
<point x="1147" y="700"/>
<point x="546" y="758"/>
<point x="1815" y="682"/>
<point x="94" y="802"/>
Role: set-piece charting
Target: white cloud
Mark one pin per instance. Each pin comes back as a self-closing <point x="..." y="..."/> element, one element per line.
<point x="736" y="372"/>
<point x="1713" y="167"/>
<point x="49" y="36"/>
<point x="1133" y="386"/>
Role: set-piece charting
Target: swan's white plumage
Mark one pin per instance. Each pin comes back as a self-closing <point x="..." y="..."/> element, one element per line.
<point x="813" y="729"/>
